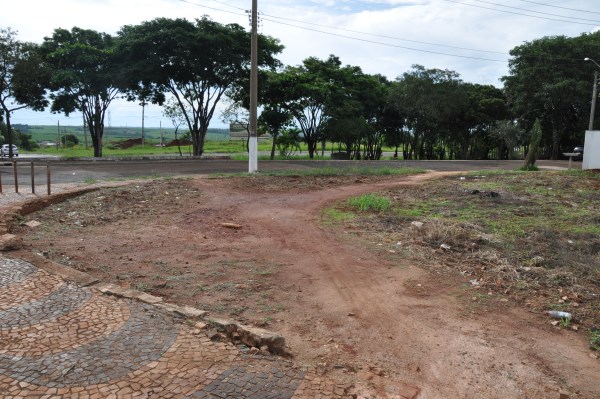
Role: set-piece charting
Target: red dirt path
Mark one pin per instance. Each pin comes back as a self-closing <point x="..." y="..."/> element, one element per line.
<point x="358" y="315"/>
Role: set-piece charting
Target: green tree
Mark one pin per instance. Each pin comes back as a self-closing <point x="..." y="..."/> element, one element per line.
<point x="172" y="111"/>
<point x="69" y="140"/>
<point x="84" y="76"/>
<point x="483" y="106"/>
<point x="536" y="138"/>
<point x="25" y="141"/>
<point x="507" y="135"/>
<point x="429" y="100"/>
<point x="304" y="91"/>
<point x="289" y="142"/>
<point x="442" y="116"/>
<point x="22" y="79"/>
<point x="548" y="80"/>
<point x="194" y="62"/>
<point x="273" y="119"/>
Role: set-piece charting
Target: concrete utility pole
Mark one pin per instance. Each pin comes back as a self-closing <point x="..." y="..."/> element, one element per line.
<point x="594" y="93"/>
<point x="143" y="114"/>
<point x="594" y="96"/>
<point x="253" y="139"/>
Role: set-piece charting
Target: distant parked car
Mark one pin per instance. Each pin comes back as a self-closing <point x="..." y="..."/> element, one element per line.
<point x="578" y="150"/>
<point x="4" y="150"/>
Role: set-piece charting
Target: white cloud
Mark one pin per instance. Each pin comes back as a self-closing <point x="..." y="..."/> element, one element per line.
<point x="434" y="21"/>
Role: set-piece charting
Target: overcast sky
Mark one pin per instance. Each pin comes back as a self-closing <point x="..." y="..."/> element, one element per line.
<point x="471" y="37"/>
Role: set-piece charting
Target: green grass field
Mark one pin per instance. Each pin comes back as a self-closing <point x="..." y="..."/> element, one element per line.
<point x="50" y="133"/>
<point x="217" y="141"/>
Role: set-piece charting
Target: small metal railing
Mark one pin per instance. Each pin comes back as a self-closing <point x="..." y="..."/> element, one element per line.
<point x="13" y="168"/>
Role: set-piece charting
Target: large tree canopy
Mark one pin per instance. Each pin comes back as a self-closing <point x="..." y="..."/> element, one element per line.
<point x="318" y="91"/>
<point x="442" y="116"/>
<point x="550" y="81"/>
<point x="195" y="62"/>
<point x="83" y="76"/>
<point x="22" y="79"/>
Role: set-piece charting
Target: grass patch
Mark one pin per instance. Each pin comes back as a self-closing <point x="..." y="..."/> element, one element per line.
<point x="370" y="202"/>
<point x="333" y="216"/>
<point x="529" y="168"/>
<point x="349" y="171"/>
<point x="90" y="180"/>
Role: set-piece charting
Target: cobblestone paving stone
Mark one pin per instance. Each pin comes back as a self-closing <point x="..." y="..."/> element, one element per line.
<point x="62" y="301"/>
<point x="36" y="286"/>
<point x="100" y="316"/>
<point x="14" y="271"/>
<point x="72" y="342"/>
<point x="269" y="383"/>
<point x="143" y="339"/>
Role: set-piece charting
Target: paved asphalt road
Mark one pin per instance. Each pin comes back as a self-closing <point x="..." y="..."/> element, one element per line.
<point x="78" y="171"/>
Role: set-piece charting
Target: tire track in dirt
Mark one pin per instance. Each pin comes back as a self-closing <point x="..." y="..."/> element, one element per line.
<point x="395" y="341"/>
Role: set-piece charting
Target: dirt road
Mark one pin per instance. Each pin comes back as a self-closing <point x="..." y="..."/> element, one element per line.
<point x="390" y="327"/>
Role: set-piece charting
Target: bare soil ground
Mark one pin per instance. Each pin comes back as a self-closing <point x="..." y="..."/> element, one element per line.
<point x="256" y="249"/>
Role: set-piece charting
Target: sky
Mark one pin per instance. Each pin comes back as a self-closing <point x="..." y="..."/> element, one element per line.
<point x="471" y="37"/>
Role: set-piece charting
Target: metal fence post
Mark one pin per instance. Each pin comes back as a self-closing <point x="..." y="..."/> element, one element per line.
<point x="48" y="177"/>
<point x="16" y="177"/>
<point x="32" y="178"/>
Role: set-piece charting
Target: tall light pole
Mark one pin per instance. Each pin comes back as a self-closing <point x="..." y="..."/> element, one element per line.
<point x="594" y="94"/>
<point x="253" y="141"/>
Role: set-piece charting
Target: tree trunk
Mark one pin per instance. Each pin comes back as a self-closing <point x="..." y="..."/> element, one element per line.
<point x="555" y="143"/>
<point x="312" y="147"/>
<point x="9" y="134"/>
<point x="98" y="135"/>
<point x="275" y="134"/>
<point x="95" y="143"/>
<point x="178" y="144"/>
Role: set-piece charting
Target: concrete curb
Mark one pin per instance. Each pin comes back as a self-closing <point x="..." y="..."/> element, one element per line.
<point x="64" y="272"/>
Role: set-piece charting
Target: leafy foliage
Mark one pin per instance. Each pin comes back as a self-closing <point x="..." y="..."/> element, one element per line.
<point x="549" y="81"/>
<point x="195" y="62"/>
<point x="69" y="140"/>
<point x="536" y="138"/>
<point x="84" y="77"/>
<point x="22" y="79"/>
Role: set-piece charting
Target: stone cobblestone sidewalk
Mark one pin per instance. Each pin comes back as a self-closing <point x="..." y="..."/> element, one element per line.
<point x="60" y="340"/>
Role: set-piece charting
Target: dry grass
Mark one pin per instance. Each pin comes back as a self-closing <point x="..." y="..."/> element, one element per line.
<point x="533" y="238"/>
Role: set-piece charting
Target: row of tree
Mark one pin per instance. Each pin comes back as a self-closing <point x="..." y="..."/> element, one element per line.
<point x="190" y="67"/>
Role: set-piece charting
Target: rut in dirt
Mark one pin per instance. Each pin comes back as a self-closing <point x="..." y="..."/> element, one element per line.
<point x="353" y="312"/>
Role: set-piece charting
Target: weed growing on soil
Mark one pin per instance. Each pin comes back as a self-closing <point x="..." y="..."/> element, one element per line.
<point x="564" y="322"/>
<point x="370" y="202"/>
<point x="530" y="168"/>
<point x="595" y="339"/>
<point x="142" y="287"/>
<point x="332" y="216"/>
<point x="90" y="180"/>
